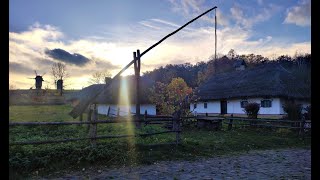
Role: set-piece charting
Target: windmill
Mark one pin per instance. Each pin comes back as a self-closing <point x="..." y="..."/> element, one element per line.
<point x="39" y="79"/>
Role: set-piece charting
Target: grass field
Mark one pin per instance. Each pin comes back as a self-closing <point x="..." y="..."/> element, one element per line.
<point x="26" y="160"/>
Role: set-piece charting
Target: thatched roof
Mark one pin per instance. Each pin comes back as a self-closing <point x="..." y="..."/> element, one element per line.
<point x="266" y="80"/>
<point x="112" y="93"/>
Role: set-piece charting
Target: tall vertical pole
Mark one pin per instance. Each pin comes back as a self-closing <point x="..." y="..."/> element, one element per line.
<point x="137" y="66"/>
<point x="215" y="34"/>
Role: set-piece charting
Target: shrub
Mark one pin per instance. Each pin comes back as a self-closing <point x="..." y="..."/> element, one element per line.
<point x="252" y="110"/>
<point x="293" y="110"/>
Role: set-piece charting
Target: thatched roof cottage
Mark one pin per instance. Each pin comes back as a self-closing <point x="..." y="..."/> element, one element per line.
<point x="270" y="85"/>
<point x="119" y="97"/>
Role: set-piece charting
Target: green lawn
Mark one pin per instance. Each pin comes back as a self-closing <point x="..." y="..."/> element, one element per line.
<point x="125" y="151"/>
<point x="57" y="113"/>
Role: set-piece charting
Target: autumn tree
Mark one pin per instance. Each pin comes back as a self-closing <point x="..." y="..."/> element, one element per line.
<point x="160" y="98"/>
<point x="170" y="98"/>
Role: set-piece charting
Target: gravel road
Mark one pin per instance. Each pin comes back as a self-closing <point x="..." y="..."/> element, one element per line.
<point x="268" y="164"/>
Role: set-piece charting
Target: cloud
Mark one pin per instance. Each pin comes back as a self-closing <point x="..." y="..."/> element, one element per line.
<point x="242" y="19"/>
<point x="190" y="45"/>
<point x="192" y="8"/>
<point x="37" y="34"/>
<point x="144" y="23"/>
<point x="299" y="15"/>
<point x="65" y="56"/>
<point x="27" y="53"/>
<point x="186" y="6"/>
<point x="19" y="68"/>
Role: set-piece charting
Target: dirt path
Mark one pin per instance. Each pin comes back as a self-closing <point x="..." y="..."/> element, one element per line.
<point x="269" y="164"/>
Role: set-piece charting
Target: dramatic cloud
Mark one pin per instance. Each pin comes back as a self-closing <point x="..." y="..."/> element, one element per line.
<point x="27" y="52"/>
<point x="191" y="45"/>
<point x="299" y="15"/>
<point x="65" y="56"/>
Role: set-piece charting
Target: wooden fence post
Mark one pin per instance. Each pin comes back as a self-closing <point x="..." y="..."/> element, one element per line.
<point x="89" y="118"/>
<point x="137" y="67"/>
<point x="118" y="112"/>
<point x="302" y="125"/>
<point x="81" y="118"/>
<point x="176" y="125"/>
<point x="108" y="111"/>
<point x="230" y="122"/>
<point x="93" y="130"/>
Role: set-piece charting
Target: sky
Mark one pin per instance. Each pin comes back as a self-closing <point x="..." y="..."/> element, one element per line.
<point x="92" y="36"/>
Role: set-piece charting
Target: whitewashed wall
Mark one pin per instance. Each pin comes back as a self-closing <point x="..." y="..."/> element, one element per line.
<point x="275" y="108"/>
<point x="234" y="106"/>
<point x="124" y="110"/>
<point x="212" y="107"/>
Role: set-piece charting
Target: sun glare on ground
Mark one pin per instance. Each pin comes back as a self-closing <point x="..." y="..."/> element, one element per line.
<point x="130" y="127"/>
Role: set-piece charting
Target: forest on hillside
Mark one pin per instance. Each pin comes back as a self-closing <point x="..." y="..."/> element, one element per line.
<point x="196" y="74"/>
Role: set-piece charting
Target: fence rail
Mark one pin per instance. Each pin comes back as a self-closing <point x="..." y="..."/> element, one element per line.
<point x="85" y="122"/>
<point x="88" y="138"/>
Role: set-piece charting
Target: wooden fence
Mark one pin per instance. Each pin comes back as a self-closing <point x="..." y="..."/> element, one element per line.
<point x="216" y="122"/>
<point x="176" y="122"/>
<point x="146" y="119"/>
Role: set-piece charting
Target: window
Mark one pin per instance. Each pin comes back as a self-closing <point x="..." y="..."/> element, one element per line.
<point x="194" y="106"/>
<point x="243" y="103"/>
<point x="266" y="103"/>
<point x="205" y="105"/>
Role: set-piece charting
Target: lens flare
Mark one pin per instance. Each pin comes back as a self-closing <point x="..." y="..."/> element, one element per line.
<point x="124" y="103"/>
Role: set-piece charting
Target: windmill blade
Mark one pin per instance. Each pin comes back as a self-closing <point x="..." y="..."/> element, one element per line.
<point x="44" y="74"/>
<point x="30" y="78"/>
<point x="36" y="72"/>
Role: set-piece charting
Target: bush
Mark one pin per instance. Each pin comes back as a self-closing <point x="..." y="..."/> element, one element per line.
<point x="252" y="110"/>
<point x="293" y="110"/>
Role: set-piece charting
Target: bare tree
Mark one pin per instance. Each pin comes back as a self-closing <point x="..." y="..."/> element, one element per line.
<point x="100" y="77"/>
<point x="59" y="72"/>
